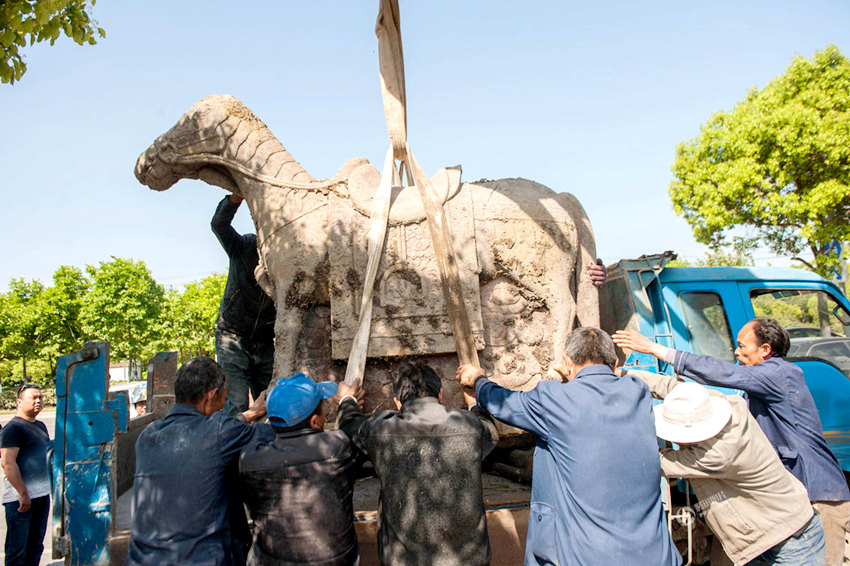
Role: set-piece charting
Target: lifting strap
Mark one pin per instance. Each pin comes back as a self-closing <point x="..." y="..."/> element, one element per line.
<point x="388" y="31"/>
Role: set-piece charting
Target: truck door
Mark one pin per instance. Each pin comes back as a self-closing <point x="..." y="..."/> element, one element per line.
<point x="702" y="315"/>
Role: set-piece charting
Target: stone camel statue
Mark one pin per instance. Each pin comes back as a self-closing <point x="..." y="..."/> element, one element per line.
<point x="524" y="253"/>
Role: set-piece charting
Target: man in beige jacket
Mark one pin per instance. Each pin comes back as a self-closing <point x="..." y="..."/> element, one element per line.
<point x="759" y="511"/>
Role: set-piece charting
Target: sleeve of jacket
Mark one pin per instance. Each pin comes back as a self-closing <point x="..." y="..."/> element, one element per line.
<point x="659" y="384"/>
<point x="521" y="409"/>
<point x="490" y="436"/>
<point x="758" y="380"/>
<point x="355" y="424"/>
<point x="234" y="434"/>
<point x="229" y="238"/>
<point x="689" y="464"/>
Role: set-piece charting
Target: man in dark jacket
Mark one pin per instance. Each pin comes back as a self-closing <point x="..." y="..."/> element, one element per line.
<point x="244" y="336"/>
<point x="184" y="507"/>
<point x="783" y="406"/>
<point x="298" y="488"/>
<point x="428" y="459"/>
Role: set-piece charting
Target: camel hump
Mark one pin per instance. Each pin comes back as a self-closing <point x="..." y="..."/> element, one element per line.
<point x="364" y="178"/>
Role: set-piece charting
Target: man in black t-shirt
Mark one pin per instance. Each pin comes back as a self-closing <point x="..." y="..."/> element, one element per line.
<point x="26" y="487"/>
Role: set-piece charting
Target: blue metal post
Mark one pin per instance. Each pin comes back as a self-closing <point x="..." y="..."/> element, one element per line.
<point x="84" y="483"/>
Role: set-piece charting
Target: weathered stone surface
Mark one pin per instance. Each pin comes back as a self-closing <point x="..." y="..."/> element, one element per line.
<point x="523" y="250"/>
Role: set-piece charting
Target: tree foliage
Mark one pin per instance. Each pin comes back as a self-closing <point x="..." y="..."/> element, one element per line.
<point x="59" y="325"/>
<point x="777" y="165"/>
<point x="117" y="301"/>
<point x="21" y="314"/>
<point x="188" y="321"/>
<point x="34" y="21"/>
<point x="122" y="306"/>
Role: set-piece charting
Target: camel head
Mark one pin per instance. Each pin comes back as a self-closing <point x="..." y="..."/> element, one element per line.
<point x="197" y="142"/>
<point x="220" y="141"/>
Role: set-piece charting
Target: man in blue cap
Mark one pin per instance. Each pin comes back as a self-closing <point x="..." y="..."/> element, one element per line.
<point x="298" y="488"/>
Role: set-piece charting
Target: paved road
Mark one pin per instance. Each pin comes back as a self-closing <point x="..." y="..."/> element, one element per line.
<point x="49" y="419"/>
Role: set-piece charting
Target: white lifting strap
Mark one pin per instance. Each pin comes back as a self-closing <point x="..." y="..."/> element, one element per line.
<point x="377" y="234"/>
<point x="388" y="31"/>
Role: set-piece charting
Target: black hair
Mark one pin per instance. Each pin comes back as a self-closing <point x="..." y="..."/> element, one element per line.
<point x="415" y="381"/>
<point x="770" y="332"/>
<point x="26" y="386"/>
<point x="305" y="422"/>
<point x="196" y="378"/>
<point x="590" y="345"/>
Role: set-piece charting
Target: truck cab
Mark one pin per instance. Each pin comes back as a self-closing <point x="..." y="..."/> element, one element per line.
<point x="701" y="310"/>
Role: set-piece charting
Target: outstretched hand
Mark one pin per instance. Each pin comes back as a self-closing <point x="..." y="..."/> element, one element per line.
<point x="466" y="375"/>
<point x="631" y="340"/>
<point x="345" y="390"/>
<point x="257" y="410"/>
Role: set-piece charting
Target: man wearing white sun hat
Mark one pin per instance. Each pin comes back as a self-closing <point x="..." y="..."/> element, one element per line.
<point x="757" y="509"/>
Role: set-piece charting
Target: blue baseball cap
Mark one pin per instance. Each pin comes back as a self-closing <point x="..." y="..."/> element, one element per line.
<point x="294" y="398"/>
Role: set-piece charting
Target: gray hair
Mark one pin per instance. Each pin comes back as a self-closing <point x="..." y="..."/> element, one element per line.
<point x="591" y="345"/>
<point x="196" y="378"/>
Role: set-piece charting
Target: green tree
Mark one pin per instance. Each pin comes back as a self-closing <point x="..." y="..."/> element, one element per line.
<point x="59" y="323"/>
<point x="777" y="165"/>
<point x="188" y="320"/>
<point x="123" y="305"/>
<point x="34" y="21"/>
<point x="19" y="321"/>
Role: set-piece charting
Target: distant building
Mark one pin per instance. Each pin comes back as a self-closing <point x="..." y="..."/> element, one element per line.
<point x="121" y="372"/>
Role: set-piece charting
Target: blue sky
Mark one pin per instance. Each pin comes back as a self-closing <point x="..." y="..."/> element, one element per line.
<point x="590" y="99"/>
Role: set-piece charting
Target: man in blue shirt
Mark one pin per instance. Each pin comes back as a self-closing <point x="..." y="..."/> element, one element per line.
<point x="182" y="497"/>
<point x="783" y="406"/>
<point x="26" y="489"/>
<point x="596" y="492"/>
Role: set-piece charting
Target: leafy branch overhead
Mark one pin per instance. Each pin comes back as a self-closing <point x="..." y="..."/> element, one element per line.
<point x="777" y="166"/>
<point x="25" y="22"/>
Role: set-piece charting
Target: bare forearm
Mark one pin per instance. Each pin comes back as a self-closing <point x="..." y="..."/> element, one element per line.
<point x="13" y="474"/>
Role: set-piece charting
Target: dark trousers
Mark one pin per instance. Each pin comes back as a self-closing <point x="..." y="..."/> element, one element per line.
<point x="248" y="366"/>
<point x="25" y="532"/>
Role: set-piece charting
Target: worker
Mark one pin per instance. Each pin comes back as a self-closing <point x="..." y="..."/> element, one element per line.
<point x="26" y="487"/>
<point x="138" y="401"/>
<point x="782" y="405"/>
<point x="298" y="487"/>
<point x="596" y="490"/>
<point x="757" y="509"/>
<point x="428" y="459"/>
<point x="185" y="505"/>
<point x="244" y="335"/>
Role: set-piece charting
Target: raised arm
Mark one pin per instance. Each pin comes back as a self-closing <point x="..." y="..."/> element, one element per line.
<point x="229" y="238"/>
<point x="757" y="380"/>
<point x="516" y="408"/>
<point x="760" y="380"/>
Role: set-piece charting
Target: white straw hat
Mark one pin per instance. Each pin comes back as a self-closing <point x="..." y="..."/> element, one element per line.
<point x="689" y="414"/>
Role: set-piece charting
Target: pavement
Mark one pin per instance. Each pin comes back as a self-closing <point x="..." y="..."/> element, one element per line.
<point x="48" y="417"/>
